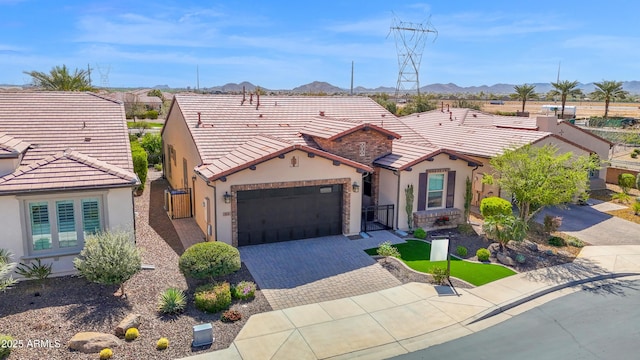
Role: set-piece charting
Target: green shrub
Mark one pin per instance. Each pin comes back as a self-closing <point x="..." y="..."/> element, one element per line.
<point x="140" y="163"/>
<point x="551" y="223"/>
<point x="419" y="233"/>
<point x="213" y="297"/>
<point x="230" y="316"/>
<point x="556" y="241"/>
<point x="152" y="144"/>
<point x="483" y="254"/>
<point x="244" y="290"/>
<point x="575" y="242"/>
<point x="622" y="197"/>
<point x="172" y="301"/>
<point x="439" y="274"/>
<point x="636" y="207"/>
<point x="209" y="260"/>
<point x="466" y="229"/>
<point x="386" y="249"/>
<point x="626" y="181"/>
<point x="6" y="268"/>
<point x="521" y="259"/>
<point x="634" y="155"/>
<point x="461" y="251"/>
<point x="5" y="345"/>
<point x="151" y="114"/>
<point x="162" y="344"/>
<point x="131" y="334"/>
<point x="157" y="167"/>
<point x="106" y="354"/>
<point x="492" y="206"/>
<point x="109" y="258"/>
<point x="35" y="270"/>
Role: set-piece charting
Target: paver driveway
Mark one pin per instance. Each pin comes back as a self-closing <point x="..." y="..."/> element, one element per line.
<point x="591" y="224"/>
<point x="307" y="271"/>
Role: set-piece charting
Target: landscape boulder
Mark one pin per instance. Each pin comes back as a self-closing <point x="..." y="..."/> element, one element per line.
<point x="530" y="245"/>
<point x="494" y="248"/>
<point x="505" y="259"/>
<point x="131" y="321"/>
<point x="93" y="342"/>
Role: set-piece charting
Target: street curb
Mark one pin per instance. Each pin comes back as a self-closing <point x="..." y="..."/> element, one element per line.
<point x="497" y="309"/>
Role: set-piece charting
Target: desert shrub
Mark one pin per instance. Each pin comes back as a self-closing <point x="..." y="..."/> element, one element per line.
<point x="420" y="233"/>
<point x="35" y="270"/>
<point x="109" y="258"/>
<point x="626" y="182"/>
<point x="152" y="144"/>
<point x="461" y="251"/>
<point x="386" y="249"/>
<point x="213" y="297"/>
<point x="6" y="268"/>
<point x="230" y="316"/>
<point x="521" y="259"/>
<point x="244" y="290"/>
<point x="623" y="197"/>
<point x="158" y="167"/>
<point x="466" y="229"/>
<point x="492" y="206"/>
<point x="209" y="259"/>
<point x="636" y="207"/>
<point x="551" y="223"/>
<point x="638" y="181"/>
<point x="131" y="334"/>
<point x="140" y="162"/>
<point x="106" y="354"/>
<point x="439" y="274"/>
<point x="575" y="242"/>
<point x="556" y="241"/>
<point x="172" y="301"/>
<point x="483" y="254"/>
<point x="162" y="344"/>
<point x="151" y="114"/>
<point x="634" y="155"/>
<point x="5" y="345"/>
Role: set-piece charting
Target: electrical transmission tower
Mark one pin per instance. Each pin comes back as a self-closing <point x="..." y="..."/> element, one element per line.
<point x="410" y="39"/>
<point x="104" y="75"/>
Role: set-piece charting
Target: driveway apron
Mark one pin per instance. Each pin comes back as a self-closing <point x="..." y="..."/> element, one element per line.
<point x="307" y="271"/>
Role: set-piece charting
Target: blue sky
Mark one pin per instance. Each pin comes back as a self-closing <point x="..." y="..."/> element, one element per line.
<point x="284" y="44"/>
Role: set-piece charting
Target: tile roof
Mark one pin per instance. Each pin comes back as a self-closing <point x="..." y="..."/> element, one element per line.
<point x="455" y="131"/>
<point x="10" y="146"/>
<point x="66" y="170"/>
<point x="406" y="155"/>
<point x="54" y="122"/>
<point x="331" y="128"/>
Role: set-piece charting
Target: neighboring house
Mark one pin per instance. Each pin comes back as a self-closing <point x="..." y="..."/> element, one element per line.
<point x="483" y="136"/>
<point x="267" y="169"/>
<point x="139" y="100"/>
<point x="65" y="173"/>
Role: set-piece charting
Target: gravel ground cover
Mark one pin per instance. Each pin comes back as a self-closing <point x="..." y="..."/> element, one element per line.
<point x="68" y="305"/>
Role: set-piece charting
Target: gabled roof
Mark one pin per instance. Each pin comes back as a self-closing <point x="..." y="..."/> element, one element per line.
<point x="260" y="149"/>
<point x="66" y="170"/>
<point x="52" y="122"/>
<point x="332" y="129"/>
<point x="405" y="155"/>
<point x="10" y="146"/>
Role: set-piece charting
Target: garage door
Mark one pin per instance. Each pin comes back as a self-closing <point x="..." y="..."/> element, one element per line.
<point x="272" y="215"/>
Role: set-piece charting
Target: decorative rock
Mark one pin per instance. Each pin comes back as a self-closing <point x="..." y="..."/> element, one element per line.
<point x="520" y="259"/>
<point x="131" y="321"/>
<point x="530" y="245"/>
<point x="505" y="259"/>
<point x="93" y="342"/>
<point x="494" y="248"/>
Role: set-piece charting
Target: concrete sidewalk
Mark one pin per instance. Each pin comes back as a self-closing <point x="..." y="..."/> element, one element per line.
<point x="415" y="316"/>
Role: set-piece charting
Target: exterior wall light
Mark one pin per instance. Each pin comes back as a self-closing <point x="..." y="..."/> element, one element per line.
<point x="355" y="187"/>
<point x="227" y="197"/>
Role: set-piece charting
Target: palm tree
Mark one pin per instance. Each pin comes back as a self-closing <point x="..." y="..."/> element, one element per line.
<point x="608" y="90"/>
<point x="59" y="79"/>
<point x="524" y="92"/>
<point x="565" y="88"/>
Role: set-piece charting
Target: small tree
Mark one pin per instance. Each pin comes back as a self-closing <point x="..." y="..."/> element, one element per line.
<point x="468" y="194"/>
<point x="626" y="182"/>
<point x="504" y="228"/>
<point x="524" y="92"/>
<point x="6" y="268"/>
<point x="408" y="207"/>
<point x="152" y="144"/>
<point x="109" y="258"/>
<point x="494" y="205"/>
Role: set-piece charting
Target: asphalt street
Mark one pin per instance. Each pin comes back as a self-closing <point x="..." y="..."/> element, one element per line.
<point x="599" y="322"/>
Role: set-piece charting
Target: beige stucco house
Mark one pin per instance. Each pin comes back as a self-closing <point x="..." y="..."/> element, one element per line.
<point x="483" y="136"/>
<point x="65" y="172"/>
<point x="266" y="169"/>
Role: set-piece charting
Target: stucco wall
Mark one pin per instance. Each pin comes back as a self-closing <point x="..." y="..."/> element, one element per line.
<point x="280" y="171"/>
<point x="177" y="134"/>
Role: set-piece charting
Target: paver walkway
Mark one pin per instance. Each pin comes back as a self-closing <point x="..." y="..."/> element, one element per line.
<point x="307" y="271"/>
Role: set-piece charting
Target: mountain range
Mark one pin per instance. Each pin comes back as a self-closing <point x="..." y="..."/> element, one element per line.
<point x="633" y="87"/>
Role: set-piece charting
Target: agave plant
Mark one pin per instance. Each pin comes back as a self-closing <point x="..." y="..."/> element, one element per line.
<point x="172" y="301"/>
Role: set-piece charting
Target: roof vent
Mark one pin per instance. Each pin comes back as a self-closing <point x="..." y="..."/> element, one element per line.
<point x="383" y="115"/>
<point x="321" y="113"/>
<point x="87" y="139"/>
<point x="260" y="115"/>
<point x="199" y="119"/>
<point x="475" y="115"/>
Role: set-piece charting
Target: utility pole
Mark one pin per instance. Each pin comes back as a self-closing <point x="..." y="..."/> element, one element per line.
<point x="351" y="77"/>
<point x="410" y="42"/>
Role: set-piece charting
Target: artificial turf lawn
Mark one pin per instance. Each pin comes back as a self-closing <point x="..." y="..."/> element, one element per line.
<point x="416" y="255"/>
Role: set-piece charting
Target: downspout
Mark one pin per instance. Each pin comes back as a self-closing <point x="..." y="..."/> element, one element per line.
<point x="397" y="173"/>
<point x="215" y="208"/>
